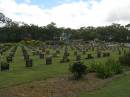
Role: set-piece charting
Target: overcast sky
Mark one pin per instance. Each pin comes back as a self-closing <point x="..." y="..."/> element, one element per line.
<point x="68" y="13"/>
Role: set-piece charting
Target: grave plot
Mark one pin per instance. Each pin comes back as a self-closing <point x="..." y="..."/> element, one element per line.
<point x="41" y="62"/>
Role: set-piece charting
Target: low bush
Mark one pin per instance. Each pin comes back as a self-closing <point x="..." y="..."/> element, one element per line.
<point x="125" y="59"/>
<point x="92" y="66"/>
<point x="109" y="68"/>
<point x="78" y="69"/>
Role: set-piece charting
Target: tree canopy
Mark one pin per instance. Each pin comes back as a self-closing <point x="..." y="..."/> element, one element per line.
<point x="16" y="33"/>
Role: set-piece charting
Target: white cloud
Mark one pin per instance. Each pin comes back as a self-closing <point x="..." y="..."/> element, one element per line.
<point x="74" y="14"/>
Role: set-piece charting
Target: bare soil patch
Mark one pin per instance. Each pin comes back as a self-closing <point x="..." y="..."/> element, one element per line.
<point x="55" y="87"/>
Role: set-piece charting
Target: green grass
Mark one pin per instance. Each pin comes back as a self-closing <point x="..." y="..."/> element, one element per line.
<point x="117" y="88"/>
<point x="19" y="74"/>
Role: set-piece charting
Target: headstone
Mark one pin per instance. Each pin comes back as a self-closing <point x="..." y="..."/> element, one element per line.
<point x="90" y="56"/>
<point x="41" y="55"/>
<point x="9" y="59"/>
<point x="49" y="60"/>
<point x="98" y="54"/>
<point x="78" y="57"/>
<point x="29" y="63"/>
<point x="4" y="66"/>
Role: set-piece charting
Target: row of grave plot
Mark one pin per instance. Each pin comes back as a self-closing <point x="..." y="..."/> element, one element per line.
<point x="62" y="54"/>
<point x="6" y="60"/>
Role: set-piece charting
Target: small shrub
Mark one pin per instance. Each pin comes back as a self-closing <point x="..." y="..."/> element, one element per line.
<point x="115" y="66"/>
<point x="125" y="59"/>
<point x="92" y="67"/>
<point x="109" y="68"/>
<point x="103" y="71"/>
<point x="78" y="70"/>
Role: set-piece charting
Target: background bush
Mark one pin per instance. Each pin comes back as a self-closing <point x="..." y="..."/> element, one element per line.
<point x="109" y="68"/>
<point x="125" y="59"/>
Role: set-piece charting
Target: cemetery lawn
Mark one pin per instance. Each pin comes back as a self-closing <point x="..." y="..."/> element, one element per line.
<point x="116" y="88"/>
<point x="19" y="74"/>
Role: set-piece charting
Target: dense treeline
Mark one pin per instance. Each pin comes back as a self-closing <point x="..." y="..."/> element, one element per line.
<point x="16" y="33"/>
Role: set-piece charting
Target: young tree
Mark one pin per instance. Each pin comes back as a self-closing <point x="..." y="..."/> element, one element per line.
<point x="78" y="70"/>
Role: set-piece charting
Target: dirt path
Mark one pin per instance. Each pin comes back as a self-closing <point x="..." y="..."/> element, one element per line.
<point x="55" y="87"/>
